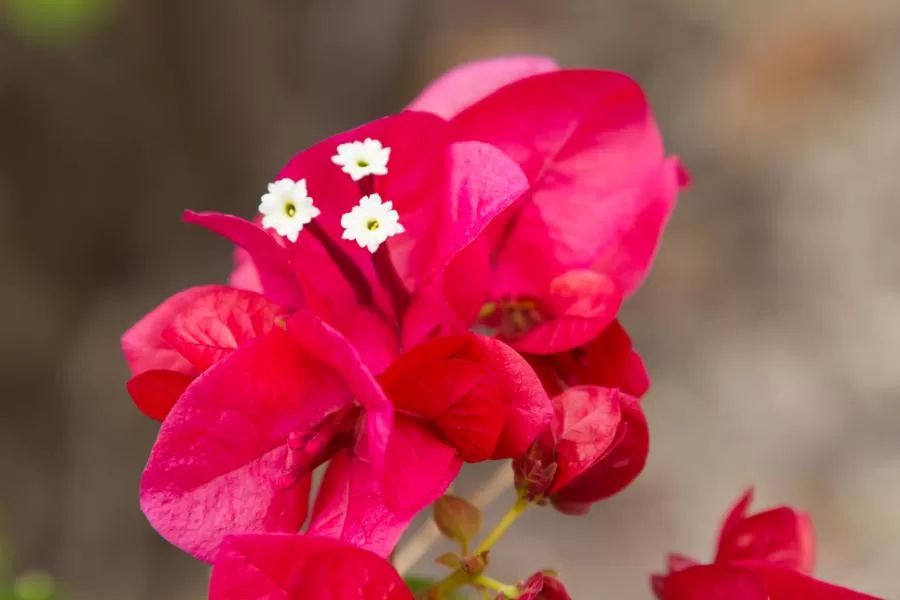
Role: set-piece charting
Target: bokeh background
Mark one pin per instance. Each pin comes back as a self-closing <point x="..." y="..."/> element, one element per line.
<point x="771" y="325"/>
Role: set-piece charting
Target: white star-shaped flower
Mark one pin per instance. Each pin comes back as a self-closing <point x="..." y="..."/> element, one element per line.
<point x="287" y="207"/>
<point x="359" y="159"/>
<point x="371" y="222"/>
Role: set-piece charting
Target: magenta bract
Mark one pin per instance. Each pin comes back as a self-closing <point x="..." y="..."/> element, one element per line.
<point x="295" y="567"/>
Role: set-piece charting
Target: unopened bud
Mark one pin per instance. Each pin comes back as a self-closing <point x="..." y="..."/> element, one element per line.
<point x="457" y="518"/>
<point x="534" y="471"/>
<point x="473" y="565"/>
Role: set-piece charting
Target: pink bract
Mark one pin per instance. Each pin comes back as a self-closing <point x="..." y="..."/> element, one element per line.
<point x="466" y="84"/>
<point x="295" y="567"/>
<point x="235" y="453"/>
<point x="763" y="556"/>
<point x="187" y="334"/>
<point x="601" y="192"/>
<point x="446" y="193"/>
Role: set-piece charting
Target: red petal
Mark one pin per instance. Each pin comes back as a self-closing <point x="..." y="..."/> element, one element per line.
<point x="245" y="275"/>
<point x="216" y="465"/>
<point x="419" y="468"/>
<point x="615" y="470"/>
<point x="583" y="303"/>
<point x="466" y="84"/>
<point x="586" y="423"/>
<point x="601" y="187"/>
<point x="679" y="562"/>
<point x="276" y="274"/>
<point x="298" y="567"/>
<point x="780" y="536"/>
<point x="311" y="335"/>
<point x="415" y="182"/>
<point x="143" y="345"/>
<point x="212" y="325"/>
<point x="542" y="587"/>
<point x="482" y="183"/>
<point x="606" y="361"/>
<point x="350" y="507"/>
<point x="155" y="392"/>
<point x="479" y="392"/>
<point x="786" y="584"/>
<point x="713" y="582"/>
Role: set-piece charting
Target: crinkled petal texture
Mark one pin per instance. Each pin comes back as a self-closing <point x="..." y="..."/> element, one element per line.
<point x="464" y="397"/>
<point x="478" y="392"/>
<point x="608" y="360"/>
<point x="780" y="536"/>
<point x="351" y="506"/>
<point x="747" y="581"/>
<point x="222" y="463"/>
<point x="143" y="344"/>
<point x="602" y="190"/>
<point x="296" y="567"/>
<point x="186" y="335"/>
<point x="601" y="446"/>
<point x="466" y="84"/>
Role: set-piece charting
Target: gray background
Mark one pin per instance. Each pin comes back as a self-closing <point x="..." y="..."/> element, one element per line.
<point x="771" y="324"/>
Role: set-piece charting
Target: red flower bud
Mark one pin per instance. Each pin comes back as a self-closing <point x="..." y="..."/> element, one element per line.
<point x="596" y="445"/>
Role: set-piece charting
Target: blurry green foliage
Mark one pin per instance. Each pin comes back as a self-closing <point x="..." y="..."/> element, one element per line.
<point x="31" y="585"/>
<point x="416" y="584"/>
<point x="55" y="20"/>
<point x="419" y="584"/>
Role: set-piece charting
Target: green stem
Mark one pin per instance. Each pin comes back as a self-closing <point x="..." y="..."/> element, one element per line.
<point x="510" y="591"/>
<point x="447" y="585"/>
<point x="505" y="523"/>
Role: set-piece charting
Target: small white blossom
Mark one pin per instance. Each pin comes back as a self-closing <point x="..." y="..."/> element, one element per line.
<point x="359" y="159"/>
<point x="371" y="222"/>
<point x="287" y="207"/>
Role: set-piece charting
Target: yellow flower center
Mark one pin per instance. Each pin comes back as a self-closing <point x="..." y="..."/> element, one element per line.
<point x="372" y="225"/>
<point x="290" y="210"/>
<point x="510" y="317"/>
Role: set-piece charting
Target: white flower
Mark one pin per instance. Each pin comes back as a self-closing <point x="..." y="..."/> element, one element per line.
<point x="359" y="159"/>
<point x="287" y="208"/>
<point x="371" y="222"/>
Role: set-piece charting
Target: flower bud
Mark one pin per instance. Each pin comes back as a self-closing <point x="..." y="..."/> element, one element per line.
<point x="456" y="518"/>
<point x="541" y="586"/>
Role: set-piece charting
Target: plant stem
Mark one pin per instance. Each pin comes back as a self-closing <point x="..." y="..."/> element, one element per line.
<point x="510" y="591"/>
<point x="409" y="554"/>
<point x="508" y="519"/>
<point x="448" y="585"/>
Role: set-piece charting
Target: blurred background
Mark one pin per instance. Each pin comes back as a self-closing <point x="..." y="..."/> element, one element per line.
<point x="771" y="325"/>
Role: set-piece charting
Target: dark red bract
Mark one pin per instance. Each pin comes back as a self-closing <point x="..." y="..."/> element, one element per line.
<point x="597" y="444"/>
<point x="763" y="556"/>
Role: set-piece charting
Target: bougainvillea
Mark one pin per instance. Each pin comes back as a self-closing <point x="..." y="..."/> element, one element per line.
<point x="765" y="556"/>
<point x="437" y="287"/>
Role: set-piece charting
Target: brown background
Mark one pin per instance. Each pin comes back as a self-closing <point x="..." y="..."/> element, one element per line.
<point x="771" y="324"/>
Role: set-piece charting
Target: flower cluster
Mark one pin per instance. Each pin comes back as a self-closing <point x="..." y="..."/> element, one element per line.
<point x="437" y="287"/>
